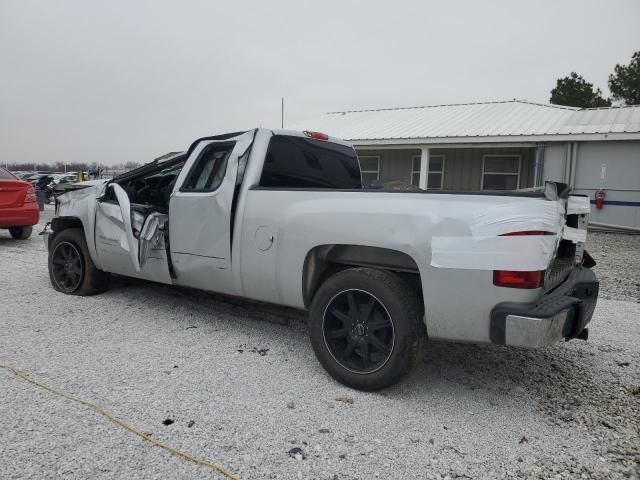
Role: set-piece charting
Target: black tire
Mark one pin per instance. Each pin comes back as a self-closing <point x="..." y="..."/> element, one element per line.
<point x="71" y="269"/>
<point x="385" y="341"/>
<point x="20" y="233"/>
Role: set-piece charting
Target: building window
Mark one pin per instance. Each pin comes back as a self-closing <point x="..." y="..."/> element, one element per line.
<point x="370" y="168"/>
<point x="435" y="178"/>
<point x="500" y="172"/>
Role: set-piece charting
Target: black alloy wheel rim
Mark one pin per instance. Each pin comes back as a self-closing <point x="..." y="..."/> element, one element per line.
<point x="358" y="331"/>
<point x="67" y="266"/>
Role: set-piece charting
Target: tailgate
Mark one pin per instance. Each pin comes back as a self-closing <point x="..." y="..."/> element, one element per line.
<point x="12" y="193"/>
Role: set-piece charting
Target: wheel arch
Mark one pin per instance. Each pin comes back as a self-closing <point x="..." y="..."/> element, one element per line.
<point x="58" y="224"/>
<point x="323" y="261"/>
<point x="63" y="223"/>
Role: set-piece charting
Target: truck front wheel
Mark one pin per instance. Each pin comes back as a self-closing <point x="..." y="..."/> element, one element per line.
<point x="71" y="269"/>
<point x="366" y="328"/>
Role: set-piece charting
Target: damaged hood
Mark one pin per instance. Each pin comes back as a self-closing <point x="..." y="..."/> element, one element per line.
<point x="62" y="188"/>
<point x="78" y="198"/>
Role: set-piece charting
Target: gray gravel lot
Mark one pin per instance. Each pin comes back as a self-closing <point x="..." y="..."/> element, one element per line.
<point x="245" y="375"/>
<point x="618" y="268"/>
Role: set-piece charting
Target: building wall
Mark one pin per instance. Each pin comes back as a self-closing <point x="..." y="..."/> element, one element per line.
<point x="463" y="170"/>
<point x="555" y="157"/>
<point x="622" y="180"/>
<point x="621" y="183"/>
<point x="395" y="165"/>
<point x="462" y="166"/>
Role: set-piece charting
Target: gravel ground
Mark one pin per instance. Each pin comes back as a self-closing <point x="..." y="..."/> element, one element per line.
<point x="241" y="384"/>
<point x="618" y="267"/>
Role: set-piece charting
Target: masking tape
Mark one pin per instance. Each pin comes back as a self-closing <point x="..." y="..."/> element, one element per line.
<point x="487" y="250"/>
<point x="518" y="217"/>
<point x="578" y="205"/>
<point x="575" y="235"/>
<point x="517" y="253"/>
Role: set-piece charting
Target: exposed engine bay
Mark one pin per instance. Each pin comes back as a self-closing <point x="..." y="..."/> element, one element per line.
<point x="146" y="192"/>
<point x="150" y="188"/>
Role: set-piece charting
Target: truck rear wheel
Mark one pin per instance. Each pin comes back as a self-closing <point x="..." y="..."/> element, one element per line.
<point x="71" y="269"/>
<point x="366" y="328"/>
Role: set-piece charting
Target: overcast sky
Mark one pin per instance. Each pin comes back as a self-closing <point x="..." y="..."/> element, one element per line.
<point x="114" y="81"/>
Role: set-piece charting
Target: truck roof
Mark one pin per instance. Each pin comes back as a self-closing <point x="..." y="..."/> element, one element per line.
<point x="301" y="133"/>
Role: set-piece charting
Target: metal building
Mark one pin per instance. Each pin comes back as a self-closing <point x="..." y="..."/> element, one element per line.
<point x="501" y="146"/>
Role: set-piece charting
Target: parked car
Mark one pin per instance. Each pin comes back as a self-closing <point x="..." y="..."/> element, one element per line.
<point x="64" y="178"/>
<point x="44" y="184"/>
<point x="18" y="206"/>
<point x="20" y="174"/>
<point x="25" y="175"/>
<point x="282" y="217"/>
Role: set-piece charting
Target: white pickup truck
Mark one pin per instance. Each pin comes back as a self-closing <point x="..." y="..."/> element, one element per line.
<point x="282" y="217"/>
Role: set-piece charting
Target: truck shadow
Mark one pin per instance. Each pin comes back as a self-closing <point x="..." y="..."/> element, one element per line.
<point x="207" y="302"/>
<point x="6" y="241"/>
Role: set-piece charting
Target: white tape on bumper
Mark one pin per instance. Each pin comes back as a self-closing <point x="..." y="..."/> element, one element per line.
<point x="517" y="253"/>
<point x="578" y="205"/>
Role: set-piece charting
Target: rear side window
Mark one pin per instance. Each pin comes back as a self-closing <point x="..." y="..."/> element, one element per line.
<point x="4" y="175"/>
<point x="208" y="171"/>
<point x="297" y="162"/>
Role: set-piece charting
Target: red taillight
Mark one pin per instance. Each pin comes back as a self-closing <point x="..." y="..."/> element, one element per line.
<point x="528" y="232"/>
<point x="510" y="279"/>
<point x="316" y="135"/>
<point x="31" y="195"/>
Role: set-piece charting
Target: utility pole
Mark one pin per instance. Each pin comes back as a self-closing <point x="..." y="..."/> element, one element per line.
<point x="282" y="112"/>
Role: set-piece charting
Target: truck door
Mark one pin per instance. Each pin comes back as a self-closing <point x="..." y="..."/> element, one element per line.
<point x="130" y="239"/>
<point x="200" y="214"/>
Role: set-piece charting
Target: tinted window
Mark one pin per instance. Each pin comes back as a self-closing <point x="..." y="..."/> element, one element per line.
<point x="4" y="175"/>
<point x="208" y="171"/>
<point x="297" y="162"/>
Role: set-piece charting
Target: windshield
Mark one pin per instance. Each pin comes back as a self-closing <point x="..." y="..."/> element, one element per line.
<point x="5" y="175"/>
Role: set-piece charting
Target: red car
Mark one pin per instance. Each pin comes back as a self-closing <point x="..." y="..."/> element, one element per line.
<point x="18" y="205"/>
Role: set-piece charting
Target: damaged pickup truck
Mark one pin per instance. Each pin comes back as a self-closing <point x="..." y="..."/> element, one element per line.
<point x="281" y="217"/>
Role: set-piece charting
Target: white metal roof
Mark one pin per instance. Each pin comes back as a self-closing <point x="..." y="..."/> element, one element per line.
<point x="513" y="120"/>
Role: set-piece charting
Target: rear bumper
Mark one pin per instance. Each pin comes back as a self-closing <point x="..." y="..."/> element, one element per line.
<point x="25" y="216"/>
<point x="562" y="313"/>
